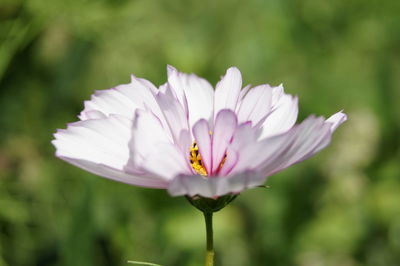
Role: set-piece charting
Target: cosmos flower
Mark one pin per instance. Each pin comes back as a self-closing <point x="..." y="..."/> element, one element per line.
<point x="190" y="139"/>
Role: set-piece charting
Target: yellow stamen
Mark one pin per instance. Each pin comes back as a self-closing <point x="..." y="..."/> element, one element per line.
<point x="195" y="160"/>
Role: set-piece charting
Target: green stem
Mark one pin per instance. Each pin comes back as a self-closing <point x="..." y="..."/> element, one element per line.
<point x="210" y="241"/>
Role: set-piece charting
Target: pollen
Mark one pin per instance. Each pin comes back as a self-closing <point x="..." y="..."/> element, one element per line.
<point x="197" y="163"/>
<point x="195" y="160"/>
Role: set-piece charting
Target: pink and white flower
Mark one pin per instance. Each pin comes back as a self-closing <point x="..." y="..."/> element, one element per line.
<point x="190" y="139"/>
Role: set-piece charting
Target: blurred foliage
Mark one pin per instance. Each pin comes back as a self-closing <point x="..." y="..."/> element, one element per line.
<point x="340" y="208"/>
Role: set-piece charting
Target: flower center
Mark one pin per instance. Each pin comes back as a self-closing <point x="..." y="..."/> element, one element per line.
<point x="197" y="163"/>
<point x="195" y="160"/>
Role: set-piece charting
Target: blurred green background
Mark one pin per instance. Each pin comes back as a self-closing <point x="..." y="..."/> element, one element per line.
<point x="340" y="208"/>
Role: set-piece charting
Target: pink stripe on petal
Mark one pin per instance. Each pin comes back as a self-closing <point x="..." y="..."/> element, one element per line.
<point x="232" y="157"/>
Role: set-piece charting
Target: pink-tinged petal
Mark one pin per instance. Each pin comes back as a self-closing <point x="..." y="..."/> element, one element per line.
<point x="336" y="120"/>
<point x="311" y="136"/>
<point x="227" y="91"/>
<point x="232" y="158"/>
<point x="308" y="136"/>
<point x="147" y="133"/>
<point x="255" y="105"/>
<point x="123" y="100"/>
<point x="224" y="128"/>
<point x="243" y="142"/>
<point x="282" y="117"/>
<point x="214" y="187"/>
<point x="174" y="114"/>
<point x="100" y="146"/>
<point x="255" y="154"/>
<point x="201" y="133"/>
<point x="167" y="162"/>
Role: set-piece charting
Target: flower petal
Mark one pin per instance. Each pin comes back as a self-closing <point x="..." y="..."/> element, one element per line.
<point x="196" y="92"/>
<point x="255" y="105"/>
<point x="311" y="136"/>
<point x="177" y="84"/>
<point x="147" y="133"/>
<point x="336" y="120"/>
<point x="173" y="113"/>
<point x="283" y="115"/>
<point x="201" y="133"/>
<point x="224" y="128"/>
<point x="227" y="91"/>
<point x="99" y="140"/>
<point x="253" y="154"/>
<point x="167" y="162"/>
<point x="116" y="174"/>
<point x="242" y="147"/>
<point x="214" y="187"/>
<point x="122" y="100"/>
<point x="100" y="146"/>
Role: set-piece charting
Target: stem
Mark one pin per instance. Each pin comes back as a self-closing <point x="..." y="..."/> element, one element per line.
<point x="210" y="242"/>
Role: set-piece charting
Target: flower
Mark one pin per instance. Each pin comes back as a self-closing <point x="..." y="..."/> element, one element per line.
<point x="190" y="139"/>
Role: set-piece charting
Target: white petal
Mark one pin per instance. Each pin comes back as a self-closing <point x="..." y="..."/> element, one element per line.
<point x="92" y="114"/>
<point x="100" y="146"/>
<point x="98" y="140"/>
<point x="227" y="91"/>
<point x="224" y="128"/>
<point x="122" y="100"/>
<point x="167" y="162"/>
<point x="139" y="82"/>
<point x="196" y="92"/>
<point x="283" y="115"/>
<point x="184" y="144"/>
<point x="255" y="105"/>
<point x="148" y="132"/>
<point x="177" y="85"/>
<point x="174" y="114"/>
<point x="213" y="187"/>
<point x="243" y="93"/>
<point x="116" y="174"/>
